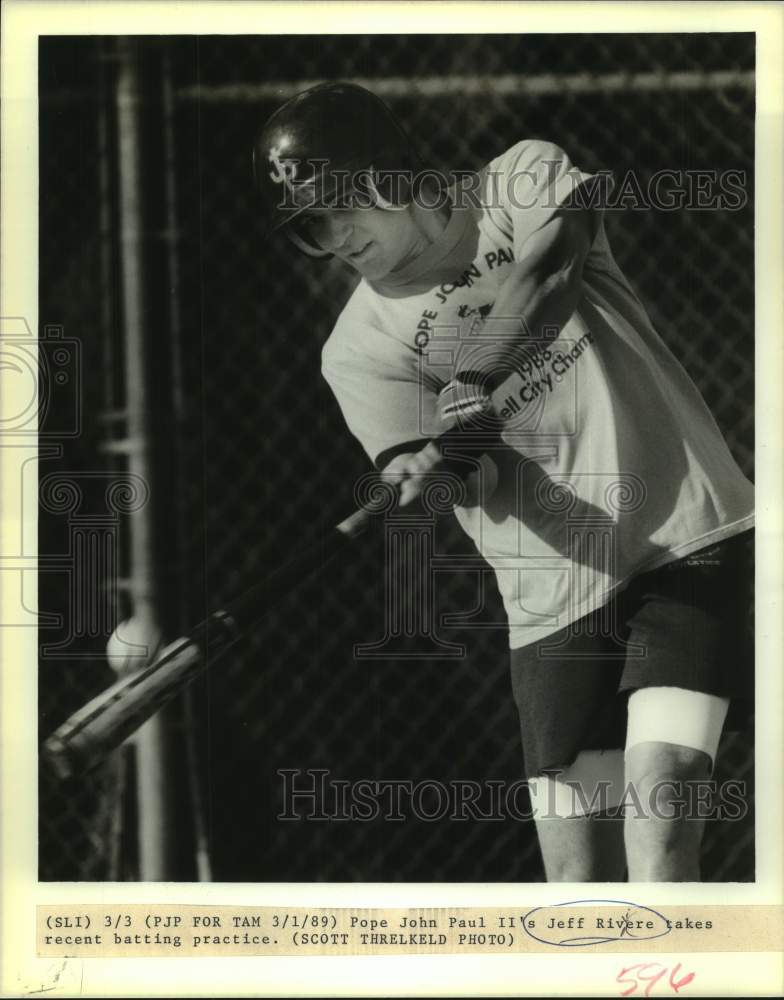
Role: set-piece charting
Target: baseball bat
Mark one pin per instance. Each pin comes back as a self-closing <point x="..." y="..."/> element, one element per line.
<point x="100" y="726"/>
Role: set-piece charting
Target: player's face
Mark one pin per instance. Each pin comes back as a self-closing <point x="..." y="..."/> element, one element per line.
<point x="373" y="241"/>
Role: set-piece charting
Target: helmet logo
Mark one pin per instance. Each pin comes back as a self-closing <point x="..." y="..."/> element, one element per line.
<point x="285" y="170"/>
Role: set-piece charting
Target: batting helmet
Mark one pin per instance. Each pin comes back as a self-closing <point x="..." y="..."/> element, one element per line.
<point x="329" y="140"/>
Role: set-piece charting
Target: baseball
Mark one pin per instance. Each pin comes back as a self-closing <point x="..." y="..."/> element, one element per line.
<point x="134" y="643"/>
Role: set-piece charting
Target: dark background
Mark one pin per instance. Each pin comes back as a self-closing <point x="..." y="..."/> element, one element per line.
<point x="249" y="448"/>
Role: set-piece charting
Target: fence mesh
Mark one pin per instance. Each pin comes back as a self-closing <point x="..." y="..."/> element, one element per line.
<point x="256" y="453"/>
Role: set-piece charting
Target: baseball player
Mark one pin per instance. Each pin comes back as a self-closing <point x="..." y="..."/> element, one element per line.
<point x="610" y="508"/>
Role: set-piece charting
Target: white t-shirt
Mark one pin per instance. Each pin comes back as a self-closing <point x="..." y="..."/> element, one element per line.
<point x="610" y="463"/>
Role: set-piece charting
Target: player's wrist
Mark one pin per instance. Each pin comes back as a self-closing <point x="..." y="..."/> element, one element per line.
<point x="465" y="397"/>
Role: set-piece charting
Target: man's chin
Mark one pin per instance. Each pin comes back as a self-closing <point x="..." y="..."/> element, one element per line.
<point x="374" y="271"/>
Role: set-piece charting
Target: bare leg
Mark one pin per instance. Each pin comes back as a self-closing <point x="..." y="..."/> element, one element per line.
<point x="662" y="841"/>
<point x="579" y="841"/>
<point x="582" y="849"/>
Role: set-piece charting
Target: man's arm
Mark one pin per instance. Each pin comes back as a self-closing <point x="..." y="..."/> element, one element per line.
<point x="543" y="288"/>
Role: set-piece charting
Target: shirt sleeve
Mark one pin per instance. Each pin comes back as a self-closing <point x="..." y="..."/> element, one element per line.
<point x="386" y="409"/>
<point x="528" y="184"/>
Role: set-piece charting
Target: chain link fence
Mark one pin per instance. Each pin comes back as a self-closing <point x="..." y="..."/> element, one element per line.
<point x="254" y="450"/>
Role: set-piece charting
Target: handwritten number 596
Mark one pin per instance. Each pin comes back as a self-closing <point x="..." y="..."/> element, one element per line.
<point x="646" y="972"/>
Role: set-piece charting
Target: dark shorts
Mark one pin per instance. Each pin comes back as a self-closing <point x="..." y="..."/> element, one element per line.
<point x="687" y="624"/>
